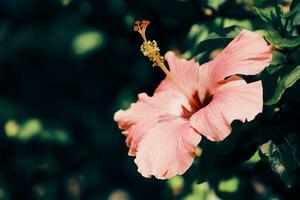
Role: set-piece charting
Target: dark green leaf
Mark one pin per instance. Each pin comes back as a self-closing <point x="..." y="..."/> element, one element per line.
<point x="279" y="161"/>
<point x="294" y="13"/>
<point x="294" y="4"/>
<point x="273" y="68"/>
<point x="296" y="19"/>
<point x="284" y="83"/>
<point x="218" y="40"/>
<point x="296" y="56"/>
<point x="280" y="42"/>
<point x="278" y="61"/>
<point x="267" y="14"/>
<point x="278" y="58"/>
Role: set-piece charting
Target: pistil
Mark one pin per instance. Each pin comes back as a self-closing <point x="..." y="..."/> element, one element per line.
<point x="151" y="50"/>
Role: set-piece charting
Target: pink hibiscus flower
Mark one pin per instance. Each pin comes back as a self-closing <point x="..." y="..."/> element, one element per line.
<point x="163" y="130"/>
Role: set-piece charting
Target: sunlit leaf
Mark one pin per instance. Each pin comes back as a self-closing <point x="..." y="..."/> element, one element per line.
<point x="280" y="42"/>
<point x="215" y="4"/>
<point x="254" y="159"/>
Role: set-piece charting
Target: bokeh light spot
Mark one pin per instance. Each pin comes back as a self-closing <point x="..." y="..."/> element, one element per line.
<point x="11" y="128"/>
<point x="230" y="185"/>
<point x="66" y="2"/>
<point x="87" y="42"/>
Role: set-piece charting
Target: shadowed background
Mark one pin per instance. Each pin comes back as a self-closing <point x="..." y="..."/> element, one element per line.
<point x="65" y="67"/>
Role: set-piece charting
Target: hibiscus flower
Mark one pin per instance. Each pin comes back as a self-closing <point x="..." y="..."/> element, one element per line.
<point x="162" y="131"/>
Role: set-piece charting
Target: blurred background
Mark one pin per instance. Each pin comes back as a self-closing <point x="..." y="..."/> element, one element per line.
<point x="66" y="66"/>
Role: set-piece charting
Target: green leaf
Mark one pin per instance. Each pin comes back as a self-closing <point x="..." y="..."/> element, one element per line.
<point x="279" y="161"/>
<point x="267" y="14"/>
<point x="294" y="4"/>
<point x="218" y="39"/>
<point x="296" y="19"/>
<point x="280" y="42"/>
<point x="254" y="159"/>
<point x="278" y="61"/>
<point x="296" y="56"/>
<point x="278" y="58"/>
<point x="294" y="13"/>
<point x="284" y="83"/>
<point x="272" y="68"/>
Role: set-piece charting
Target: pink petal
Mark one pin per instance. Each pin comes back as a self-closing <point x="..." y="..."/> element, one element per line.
<point x="146" y="113"/>
<point x="204" y="82"/>
<point x="234" y="100"/>
<point x="247" y="54"/>
<point x="186" y="72"/>
<point x="168" y="149"/>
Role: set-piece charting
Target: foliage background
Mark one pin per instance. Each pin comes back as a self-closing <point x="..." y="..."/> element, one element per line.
<point x="67" y="65"/>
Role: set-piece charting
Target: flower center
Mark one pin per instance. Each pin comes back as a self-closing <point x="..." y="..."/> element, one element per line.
<point x="151" y="50"/>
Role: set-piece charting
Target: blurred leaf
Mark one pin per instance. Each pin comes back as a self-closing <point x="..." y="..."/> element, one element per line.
<point x="201" y="192"/>
<point x="33" y="129"/>
<point x="214" y="40"/>
<point x="10" y="110"/>
<point x="280" y="42"/>
<point x="276" y="157"/>
<point x="88" y="41"/>
<point x="29" y="129"/>
<point x="230" y="185"/>
<point x="215" y="4"/>
<point x="197" y="33"/>
<point x="11" y="128"/>
<point x="4" y="195"/>
<point x="183" y="9"/>
<point x="66" y="2"/>
<point x="176" y="184"/>
<point x="176" y="181"/>
<point x="242" y="23"/>
<point x="295" y="4"/>
<point x="284" y="83"/>
<point x="116" y="6"/>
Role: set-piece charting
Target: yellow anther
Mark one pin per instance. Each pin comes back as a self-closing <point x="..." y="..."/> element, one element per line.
<point x="151" y="50"/>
